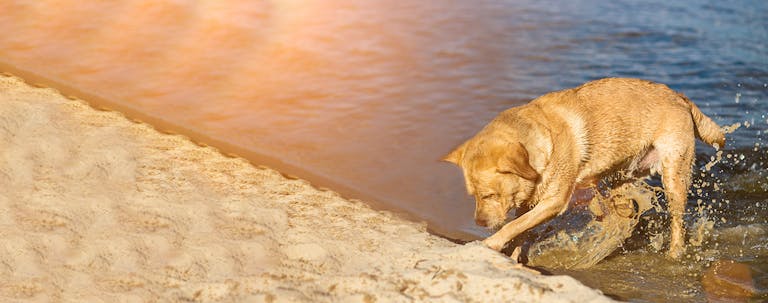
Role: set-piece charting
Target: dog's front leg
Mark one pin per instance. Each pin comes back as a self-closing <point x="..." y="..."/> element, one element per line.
<point x="557" y="183"/>
<point x="545" y="210"/>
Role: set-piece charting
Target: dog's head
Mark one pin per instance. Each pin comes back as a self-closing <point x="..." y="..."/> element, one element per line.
<point x="498" y="175"/>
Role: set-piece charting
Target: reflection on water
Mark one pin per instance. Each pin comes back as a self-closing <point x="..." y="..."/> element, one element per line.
<point x="366" y="96"/>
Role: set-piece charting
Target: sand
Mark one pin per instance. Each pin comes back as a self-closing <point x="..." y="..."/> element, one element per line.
<point x="97" y="208"/>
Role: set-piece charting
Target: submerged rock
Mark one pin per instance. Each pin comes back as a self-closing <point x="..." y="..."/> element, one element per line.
<point x="591" y="229"/>
<point x="729" y="281"/>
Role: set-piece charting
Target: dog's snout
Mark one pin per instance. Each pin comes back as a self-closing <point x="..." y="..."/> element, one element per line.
<point x="481" y="222"/>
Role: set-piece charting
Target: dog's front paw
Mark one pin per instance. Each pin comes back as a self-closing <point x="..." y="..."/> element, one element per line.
<point x="494" y="243"/>
<point x="676" y="253"/>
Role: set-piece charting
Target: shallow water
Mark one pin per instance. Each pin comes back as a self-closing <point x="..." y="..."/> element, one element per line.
<point x="366" y="96"/>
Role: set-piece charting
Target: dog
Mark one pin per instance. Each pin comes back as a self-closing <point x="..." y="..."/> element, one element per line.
<point x="533" y="156"/>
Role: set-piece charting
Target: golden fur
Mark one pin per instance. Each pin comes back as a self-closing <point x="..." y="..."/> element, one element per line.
<point x="534" y="155"/>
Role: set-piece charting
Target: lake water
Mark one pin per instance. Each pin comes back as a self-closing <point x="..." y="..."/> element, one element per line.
<point x="365" y="97"/>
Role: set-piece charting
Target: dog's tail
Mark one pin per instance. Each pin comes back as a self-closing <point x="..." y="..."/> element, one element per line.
<point x="706" y="129"/>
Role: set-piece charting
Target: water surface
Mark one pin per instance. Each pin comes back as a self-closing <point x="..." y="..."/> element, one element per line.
<point x="367" y="96"/>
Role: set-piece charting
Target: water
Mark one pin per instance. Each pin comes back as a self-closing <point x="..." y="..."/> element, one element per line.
<point x="726" y="222"/>
<point x="366" y="96"/>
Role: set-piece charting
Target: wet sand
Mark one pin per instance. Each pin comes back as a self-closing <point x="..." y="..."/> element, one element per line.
<point x="97" y="208"/>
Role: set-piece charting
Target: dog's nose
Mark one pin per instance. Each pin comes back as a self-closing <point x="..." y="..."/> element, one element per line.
<point x="481" y="222"/>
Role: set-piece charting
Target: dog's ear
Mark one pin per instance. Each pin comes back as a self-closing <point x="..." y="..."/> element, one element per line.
<point x="457" y="154"/>
<point x="515" y="161"/>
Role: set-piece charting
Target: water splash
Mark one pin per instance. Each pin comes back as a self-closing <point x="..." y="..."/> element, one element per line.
<point x="729" y="185"/>
<point x="592" y="230"/>
<point x="726" y="223"/>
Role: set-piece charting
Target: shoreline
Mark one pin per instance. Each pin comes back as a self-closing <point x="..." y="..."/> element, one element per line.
<point x="257" y="158"/>
<point x="96" y="207"/>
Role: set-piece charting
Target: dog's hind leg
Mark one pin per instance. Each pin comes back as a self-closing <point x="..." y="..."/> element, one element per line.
<point x="677" y="151"/>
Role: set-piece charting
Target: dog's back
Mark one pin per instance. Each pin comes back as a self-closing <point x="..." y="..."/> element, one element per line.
<point x="603" y="114"/>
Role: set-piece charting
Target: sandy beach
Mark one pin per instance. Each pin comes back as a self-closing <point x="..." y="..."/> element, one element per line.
<point x="95" y="207"/>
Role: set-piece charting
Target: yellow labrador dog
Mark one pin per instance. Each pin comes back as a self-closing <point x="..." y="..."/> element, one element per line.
<point x="534" y="155"/>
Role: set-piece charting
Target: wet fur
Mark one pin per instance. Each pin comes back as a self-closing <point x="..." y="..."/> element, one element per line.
<point x="533" y="156"/>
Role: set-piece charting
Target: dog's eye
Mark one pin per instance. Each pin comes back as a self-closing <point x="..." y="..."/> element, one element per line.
<point x="488" y="196"/>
